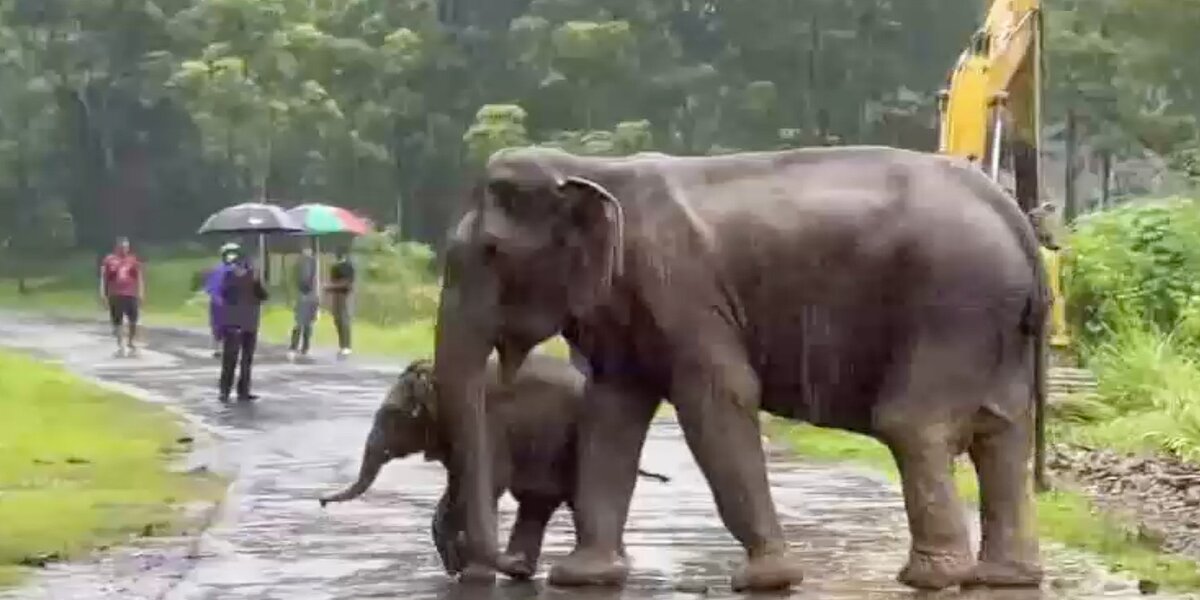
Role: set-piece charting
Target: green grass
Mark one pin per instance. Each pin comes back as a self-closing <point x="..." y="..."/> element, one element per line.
<point x="80" y="467"/>
<point x="1063" y="516"/>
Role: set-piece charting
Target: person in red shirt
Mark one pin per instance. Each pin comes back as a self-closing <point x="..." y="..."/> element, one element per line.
<point x="122" y="288"/>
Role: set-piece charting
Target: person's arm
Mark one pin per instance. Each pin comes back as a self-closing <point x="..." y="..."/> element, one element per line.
<point x="260" y="291"/>
<point x="212" y="284"/>
<point x="141" y="275"/>
<point x="103" y="283"/>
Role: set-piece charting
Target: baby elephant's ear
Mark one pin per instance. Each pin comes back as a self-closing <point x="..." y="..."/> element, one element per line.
<point x="397" y="397"/>
<point x="415" y="389"/>
<point x="426" y="391"/>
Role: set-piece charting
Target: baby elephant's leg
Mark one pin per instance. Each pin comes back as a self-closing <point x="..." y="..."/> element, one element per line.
<point x="520" y="560"/>
<point x="446" y="536"/>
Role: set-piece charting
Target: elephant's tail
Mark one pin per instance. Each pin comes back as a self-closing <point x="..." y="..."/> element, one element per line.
<point x="1039" y="413"/>
<point x="648" y="474"/>
<point x="1035" y="326"/>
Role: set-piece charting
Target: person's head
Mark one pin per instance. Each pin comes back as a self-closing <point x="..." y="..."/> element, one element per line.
<point x="230" y="252"/>
<point x="122" y="246"/>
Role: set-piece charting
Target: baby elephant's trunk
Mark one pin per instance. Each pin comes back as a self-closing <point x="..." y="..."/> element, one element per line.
<point x="373" y="459"/>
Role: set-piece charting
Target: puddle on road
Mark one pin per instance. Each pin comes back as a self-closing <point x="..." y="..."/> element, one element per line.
<point x="303" y="438"/>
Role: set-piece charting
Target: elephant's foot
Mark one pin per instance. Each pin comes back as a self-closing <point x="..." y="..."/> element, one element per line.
<point x="517" y="565"/>
<point x="477" y="573"/>
<point x="1005" y="574"/>
<point x="935" y="571"/>
<point x="768" y="572"/>
<point x="590" y="567"/>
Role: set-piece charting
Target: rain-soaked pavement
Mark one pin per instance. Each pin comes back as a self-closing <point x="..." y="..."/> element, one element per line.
<point x="271" y="540"/>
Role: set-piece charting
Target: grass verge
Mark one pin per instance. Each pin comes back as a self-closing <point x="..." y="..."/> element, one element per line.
<point x="1063" y="516"/>
<point x="82" y="468"/>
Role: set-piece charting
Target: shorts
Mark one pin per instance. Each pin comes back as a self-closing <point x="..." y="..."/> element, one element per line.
<point x="123" y="307"/>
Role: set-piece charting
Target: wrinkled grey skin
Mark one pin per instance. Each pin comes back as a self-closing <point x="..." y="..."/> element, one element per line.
<point x="532" y="426"/>
<point x="888" y="292"/>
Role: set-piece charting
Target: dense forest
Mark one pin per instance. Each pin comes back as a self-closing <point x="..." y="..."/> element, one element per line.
<point x="142" y="116"/>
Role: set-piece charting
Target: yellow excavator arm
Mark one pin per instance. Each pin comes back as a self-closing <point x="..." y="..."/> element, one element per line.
<point x="992" y="103"/>
<point x="990" y="113"/>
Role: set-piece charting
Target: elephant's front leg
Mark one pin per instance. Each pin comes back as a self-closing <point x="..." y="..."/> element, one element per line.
<point x="520" y="560"/>
<point x="717" y="405"/>
<point x="610" y="447"/>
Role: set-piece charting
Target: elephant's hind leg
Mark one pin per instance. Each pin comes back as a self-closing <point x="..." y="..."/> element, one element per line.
<point x="922" y="424"/>
<point x="1000" y="449"/>
<point x="520" y="560"/>
<point x="940" y="556"/>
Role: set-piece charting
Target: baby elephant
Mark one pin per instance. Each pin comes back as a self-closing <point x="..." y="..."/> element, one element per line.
<point x="532" y="425"/>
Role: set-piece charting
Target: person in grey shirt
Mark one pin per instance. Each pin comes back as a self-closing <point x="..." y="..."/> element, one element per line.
<point x="307" y="303"/>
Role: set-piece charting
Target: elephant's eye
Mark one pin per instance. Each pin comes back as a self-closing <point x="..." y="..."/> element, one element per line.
<point x="490" y="251"/>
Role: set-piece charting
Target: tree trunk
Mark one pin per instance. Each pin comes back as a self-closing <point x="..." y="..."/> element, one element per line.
<point x="1070" y="208"/>
<point x="1105" y="179"/>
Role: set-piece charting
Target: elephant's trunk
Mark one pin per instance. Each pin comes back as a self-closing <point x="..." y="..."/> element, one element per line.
<point x="374" y="457"/>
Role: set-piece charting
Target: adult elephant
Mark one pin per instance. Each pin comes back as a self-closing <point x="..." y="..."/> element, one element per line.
<point x="883" y="291"/>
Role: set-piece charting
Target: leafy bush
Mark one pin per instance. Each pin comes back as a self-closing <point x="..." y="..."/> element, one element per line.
<point x="1133" y="297"/>
<point x="1138" y="261"/>
<point x="399" y="279"/>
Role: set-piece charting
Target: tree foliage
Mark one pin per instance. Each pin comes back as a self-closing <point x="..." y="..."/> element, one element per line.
<point x="142" y="117"/>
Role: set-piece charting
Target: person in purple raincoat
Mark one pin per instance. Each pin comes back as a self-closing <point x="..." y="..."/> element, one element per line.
<point x="212" y="287"/>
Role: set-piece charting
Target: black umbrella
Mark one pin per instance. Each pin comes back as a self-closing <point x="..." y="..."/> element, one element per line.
<point x="254" y="218"/>
<point x="251" y="217"/>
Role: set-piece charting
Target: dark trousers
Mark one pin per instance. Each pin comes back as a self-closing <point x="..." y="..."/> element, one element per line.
<point x="340" y="308"/>
<point x="301" y="338"/>
<point x="239" y="346"/>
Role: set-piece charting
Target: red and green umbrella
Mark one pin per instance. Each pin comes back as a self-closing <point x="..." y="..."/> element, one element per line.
<point x="319" y="219"/>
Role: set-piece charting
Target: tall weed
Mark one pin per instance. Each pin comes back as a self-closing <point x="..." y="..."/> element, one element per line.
<point x="1133" y="296"/>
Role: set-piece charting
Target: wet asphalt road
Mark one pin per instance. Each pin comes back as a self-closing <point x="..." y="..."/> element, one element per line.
<point x="271" y="540"/>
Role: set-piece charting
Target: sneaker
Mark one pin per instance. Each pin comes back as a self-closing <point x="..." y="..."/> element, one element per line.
<point x="131" y="351"/>
<point x="344" y="352"/>
<point x="247" y="397"/>
<point x="291" y="356"/>
<point x="120" y="352"/>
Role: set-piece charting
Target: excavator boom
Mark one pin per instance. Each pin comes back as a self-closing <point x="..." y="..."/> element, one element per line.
<point x="991" y="107"/>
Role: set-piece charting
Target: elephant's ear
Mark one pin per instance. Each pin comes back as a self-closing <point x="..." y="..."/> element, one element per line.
<point x="597" y="215"/>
